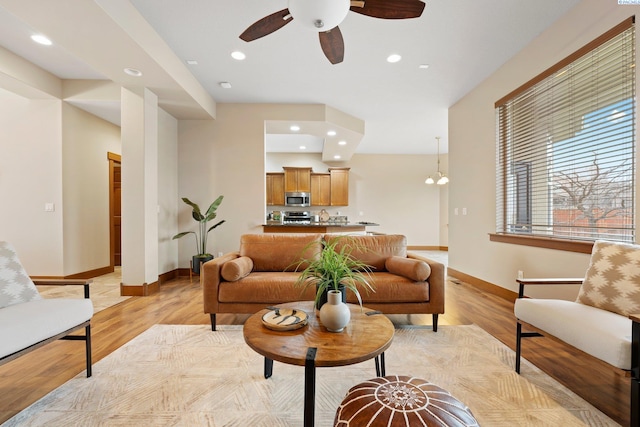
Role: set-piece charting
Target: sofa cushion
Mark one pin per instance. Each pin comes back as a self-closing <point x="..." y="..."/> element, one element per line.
<point x="391" y="288"/>
<point x="15" y="285"/>
<point x="278" y="251"/>
<point x="236" y="269"/>
<point x="265" y="288"/>
<point x="25" y="324"/>
<point x="601" y="333"/>
<point x="612" y="281"/>
<point x="410" y="268"/>
<point x="374" y="250"/>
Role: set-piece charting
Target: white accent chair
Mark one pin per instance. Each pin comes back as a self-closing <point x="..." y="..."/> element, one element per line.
<point x="28" y="321"/>
<point x="598" y="322"/>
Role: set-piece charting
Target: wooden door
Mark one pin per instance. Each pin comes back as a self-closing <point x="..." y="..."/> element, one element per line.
<point x="115" y="208"/>
<point x="275" y="189"/>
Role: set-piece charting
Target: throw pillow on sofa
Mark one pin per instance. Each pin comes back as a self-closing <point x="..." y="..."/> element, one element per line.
<point x="236" y="269"/>
<point x="413" y="269"/>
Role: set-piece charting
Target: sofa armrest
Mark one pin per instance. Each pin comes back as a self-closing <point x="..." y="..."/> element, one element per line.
<point x="210" y="279"/>
<point x="65" y="282"/>
<point x="436" y="280"/>
<point x="546" y="281"/>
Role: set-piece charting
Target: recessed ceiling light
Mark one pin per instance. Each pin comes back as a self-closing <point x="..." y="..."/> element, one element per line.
<point x="191" y="62"/>
<point x="133" y="72"/>
<point x="331" y="133"/>
<point x="39" y="38"/>
<point x="423" y="66"/>
<point x="337" y="156"/>
<point x="302" y="147"/>
<point x="294" y="128"/>
<point x="342" y="142"/>
<point x="238" y="55"/>
<point x="225" y="85"/>
<point x="394" y="58"/>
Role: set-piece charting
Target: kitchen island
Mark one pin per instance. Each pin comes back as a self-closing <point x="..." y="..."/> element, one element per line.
<point x="319" y="227"/>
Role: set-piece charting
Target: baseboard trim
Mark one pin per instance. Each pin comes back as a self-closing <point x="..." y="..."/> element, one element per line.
<point x="143" y="290"/>
<point x="169" y="275"/>
<point x="427" y="248"/>
<point x="484" y="286"/>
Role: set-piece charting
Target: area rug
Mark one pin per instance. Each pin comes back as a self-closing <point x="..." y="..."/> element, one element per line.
<point x="191" y="376"/>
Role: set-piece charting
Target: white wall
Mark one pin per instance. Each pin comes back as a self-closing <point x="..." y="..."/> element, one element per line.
<point x="167" y="192"/>
<point x="472" y="156"/>
<point x="386" y="189"/>
<point x="86" y="141"/>
<point x="30" y="176"/>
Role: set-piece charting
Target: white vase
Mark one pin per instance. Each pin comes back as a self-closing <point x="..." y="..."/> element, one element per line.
<point x="335" y="314"/>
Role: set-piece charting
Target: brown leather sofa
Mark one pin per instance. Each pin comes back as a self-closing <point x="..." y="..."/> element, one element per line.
<point x="262" y="273"/>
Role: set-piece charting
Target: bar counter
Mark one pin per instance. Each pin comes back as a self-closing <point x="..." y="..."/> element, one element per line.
<point x="317" y="227"/>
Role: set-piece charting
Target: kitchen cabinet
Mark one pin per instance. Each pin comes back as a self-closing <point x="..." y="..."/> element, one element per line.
<point x="339" y="186"/>
<point x="320" y="189"/>
<point x="297" y="179"/>
<point x="275" y="189"/>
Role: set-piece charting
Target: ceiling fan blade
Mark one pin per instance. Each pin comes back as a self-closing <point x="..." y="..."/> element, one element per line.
<point x="267" y="25"/>
<point x="332" y="45"/>
<point x="389" y="9"/>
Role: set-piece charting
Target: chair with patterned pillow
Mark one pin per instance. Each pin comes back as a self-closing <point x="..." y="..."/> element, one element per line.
<point x="598" y="321"/>
<point x="29" y="321"/>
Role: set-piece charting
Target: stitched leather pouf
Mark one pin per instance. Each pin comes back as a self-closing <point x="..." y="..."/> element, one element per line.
<point x="394" y="401"/>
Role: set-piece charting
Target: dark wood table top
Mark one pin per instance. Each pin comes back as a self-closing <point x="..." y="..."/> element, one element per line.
<point x="365" y="337"/>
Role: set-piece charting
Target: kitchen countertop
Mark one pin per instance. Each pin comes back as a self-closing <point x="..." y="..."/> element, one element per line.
<point x="318" y="227"/>
<point x="323" y="224"/>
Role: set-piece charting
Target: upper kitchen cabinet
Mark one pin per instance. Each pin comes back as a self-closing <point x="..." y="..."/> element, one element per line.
<point x="297" y="179"/>
<point x="339" y="186"/>
<point x="320" y="189"/>
<point x="275" y="188"/>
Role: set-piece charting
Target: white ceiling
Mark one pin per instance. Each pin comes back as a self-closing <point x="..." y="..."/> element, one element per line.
<point x="404" y="107"/>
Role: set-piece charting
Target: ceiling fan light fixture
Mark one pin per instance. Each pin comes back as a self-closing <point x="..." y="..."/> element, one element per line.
<point x="429" y="180"/>
<point x="442" y="180"/>
<point x="319" y="15"/>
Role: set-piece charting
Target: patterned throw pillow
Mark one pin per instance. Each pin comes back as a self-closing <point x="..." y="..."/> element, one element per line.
<point x="612" y="281"/>
<point x="15" y="284"/>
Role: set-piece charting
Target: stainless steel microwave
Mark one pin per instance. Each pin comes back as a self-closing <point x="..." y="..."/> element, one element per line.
<point x="297" y="199"/>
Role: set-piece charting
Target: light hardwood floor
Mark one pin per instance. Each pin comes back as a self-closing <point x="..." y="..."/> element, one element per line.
<point x="32" y="376"/>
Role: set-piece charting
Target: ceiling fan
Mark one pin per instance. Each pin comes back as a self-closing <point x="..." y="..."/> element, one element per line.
<point x="325" y="15"/>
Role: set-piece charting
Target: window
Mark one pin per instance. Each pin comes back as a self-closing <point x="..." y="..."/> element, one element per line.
<point x="566" y="147"/>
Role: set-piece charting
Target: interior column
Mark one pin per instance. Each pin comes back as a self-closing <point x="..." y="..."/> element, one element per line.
<point x="139" y="133"/>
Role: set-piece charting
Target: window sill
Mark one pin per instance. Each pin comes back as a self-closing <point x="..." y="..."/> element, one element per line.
<point x="580" y="246"/>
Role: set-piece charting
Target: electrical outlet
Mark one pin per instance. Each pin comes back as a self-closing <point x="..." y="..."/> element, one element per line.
<point x="520" y="274"/>
<point x="220" y="254"/>
<point x="455" y="211"/>
<point x="464" y="211"/>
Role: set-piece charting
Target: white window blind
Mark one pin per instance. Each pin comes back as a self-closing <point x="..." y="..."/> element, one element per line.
<point x="566" y="146"/>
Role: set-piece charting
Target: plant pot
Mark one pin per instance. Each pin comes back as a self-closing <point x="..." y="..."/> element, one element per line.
<point x="196" y="260"/>
<point x="323" y="296"/>
<point x="335" y="314"/>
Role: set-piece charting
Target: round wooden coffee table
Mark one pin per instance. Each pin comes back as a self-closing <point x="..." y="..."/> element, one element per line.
<point x="367" y="336"/>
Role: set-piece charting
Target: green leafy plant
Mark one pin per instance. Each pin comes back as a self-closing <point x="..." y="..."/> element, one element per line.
<point x="335" y="268"/>
<point x="202" y="219"/>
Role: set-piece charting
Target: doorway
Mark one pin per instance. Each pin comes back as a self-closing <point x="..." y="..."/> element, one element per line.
<point x="115" y="210"/>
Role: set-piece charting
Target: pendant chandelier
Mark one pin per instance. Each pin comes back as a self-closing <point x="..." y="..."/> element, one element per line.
<point x="442" y="178"/>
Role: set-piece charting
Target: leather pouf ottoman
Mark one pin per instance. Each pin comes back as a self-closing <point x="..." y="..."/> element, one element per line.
<point x="401" y="401"/>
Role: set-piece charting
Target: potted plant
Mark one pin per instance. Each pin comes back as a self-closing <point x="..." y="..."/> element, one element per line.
<point x="335" y="270"/>
<point x="202" y="255"/>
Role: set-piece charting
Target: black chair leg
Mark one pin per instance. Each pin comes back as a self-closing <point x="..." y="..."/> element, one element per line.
<point x="87" y="330"/>
<point x="213" y="321"/>
<point x="434" y="316"/>
<point x="518" y="345"/>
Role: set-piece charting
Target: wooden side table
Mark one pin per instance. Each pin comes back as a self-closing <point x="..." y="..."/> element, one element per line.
<point x="367" y="336"/>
